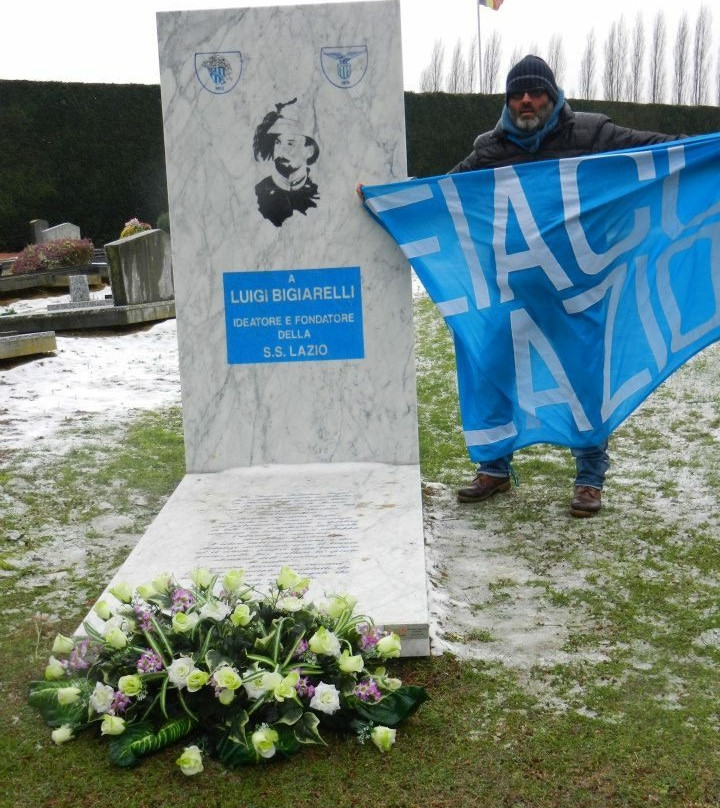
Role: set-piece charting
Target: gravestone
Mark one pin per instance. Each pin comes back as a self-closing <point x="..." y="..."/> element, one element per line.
<point x="36" y="227"/>
<point x="140" y="268"/>
<point x="294" y="309"/>
<point x="59" y="232"/>
<point x="79" y="289"/>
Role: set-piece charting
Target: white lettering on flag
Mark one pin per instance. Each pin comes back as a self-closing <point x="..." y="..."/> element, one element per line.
<point x="573" y="287"/>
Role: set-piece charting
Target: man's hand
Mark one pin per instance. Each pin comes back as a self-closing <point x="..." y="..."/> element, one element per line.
<point x="359" y="191"/>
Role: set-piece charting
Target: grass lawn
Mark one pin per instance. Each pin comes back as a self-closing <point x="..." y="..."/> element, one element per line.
<point x="583" y="655"/>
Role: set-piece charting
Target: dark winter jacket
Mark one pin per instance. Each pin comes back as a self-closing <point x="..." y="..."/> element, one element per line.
<point x="577" y="134"/>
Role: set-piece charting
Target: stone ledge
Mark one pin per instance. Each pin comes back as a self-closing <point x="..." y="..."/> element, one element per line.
<point x="27" y="344"/>
<point x="350" y="527"/>
<point x="77" y="319"/>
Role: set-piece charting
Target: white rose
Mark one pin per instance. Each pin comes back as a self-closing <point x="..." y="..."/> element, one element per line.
<point x="162" y="583"/>
<point x="183" y="622"/>
<point x="122" y="592"/>
<point x="112" y="725"/>
<point x="63" y="644"/>
<point x="147" y="590"/>
<point x="201" y="577"/>
<point x="179" y="670"/>
<point x="62" y="734"/>
<point x="68" y="695"/>
<point x="383" y="737"/>
<point x="101" y="698"/>
<point x="324" y="642"/>
<point x="326" y="699"/>
<point x="55" y="669"/>
<point x="102" y="610"/>
<point x="115" y="638"/>
<point x="290" y="603"/>
<point x="349" y="663"/>
<point x="253" y="687"/>
<point x="215" y="610"/>
<point x="190" y="762"/>
<point x="233" y="580"/>
<point x="241" y="616"/>
<point x="337" y="604"/>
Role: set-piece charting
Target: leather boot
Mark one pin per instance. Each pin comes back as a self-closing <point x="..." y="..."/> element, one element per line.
<point x="483" y="487"/>
<point x="586" y="501"/>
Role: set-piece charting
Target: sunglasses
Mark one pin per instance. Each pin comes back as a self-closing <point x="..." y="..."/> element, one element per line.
<point x="535" y="92"/>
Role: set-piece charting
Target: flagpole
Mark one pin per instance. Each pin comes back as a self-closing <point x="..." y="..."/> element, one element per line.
<point x="480" y="76"/>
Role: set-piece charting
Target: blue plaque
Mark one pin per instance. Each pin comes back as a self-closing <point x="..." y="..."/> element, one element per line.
<point x="300" y="315"/>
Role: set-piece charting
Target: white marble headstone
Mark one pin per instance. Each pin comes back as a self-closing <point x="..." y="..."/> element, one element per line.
<point x="294" y="308"/>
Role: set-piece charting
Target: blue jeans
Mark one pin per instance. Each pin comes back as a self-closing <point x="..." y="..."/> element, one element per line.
<point x="591" y="463"/>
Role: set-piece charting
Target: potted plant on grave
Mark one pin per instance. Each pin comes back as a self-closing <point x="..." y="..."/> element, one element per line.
<point x="67" y="252"/>
<point x="134" y="226"/>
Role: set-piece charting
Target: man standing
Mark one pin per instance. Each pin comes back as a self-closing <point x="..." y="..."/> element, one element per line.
<point x="538" y="124"/>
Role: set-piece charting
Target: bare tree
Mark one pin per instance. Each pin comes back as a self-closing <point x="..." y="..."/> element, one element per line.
<point x="491" y="63"/>
<point x="637" y="60"/>
<point x="556" y="58"/>
<point x="431" y="77"/>
<point x="657" y="59"/>
<point x="471" y="66"/>
<point x="613" y="77"/>
<point x="701" y="56"/>
<point x="623" y="78"/>
<point x="588" y="66"/>
<point x="680" y="60"/>
<point x="516" y="56"/>
<point x="457" y="74"/>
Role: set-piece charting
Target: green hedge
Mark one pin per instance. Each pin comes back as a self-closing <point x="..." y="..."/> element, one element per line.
<point x="93" y="155"/>
<point x="441" y="128"/>
<point x="90" y="154"/>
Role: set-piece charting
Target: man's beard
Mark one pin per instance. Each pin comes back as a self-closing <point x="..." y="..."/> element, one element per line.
<point x="284" y="167"/>
<point x="537" y="121"/>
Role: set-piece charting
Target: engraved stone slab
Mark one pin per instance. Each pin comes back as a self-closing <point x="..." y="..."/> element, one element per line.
<point x="294" y="309"/>
<point x="350" y="527"/>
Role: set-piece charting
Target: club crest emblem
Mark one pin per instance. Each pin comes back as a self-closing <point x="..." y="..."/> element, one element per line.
<point x="344" y="66"/>
<point x="218" y="72"/>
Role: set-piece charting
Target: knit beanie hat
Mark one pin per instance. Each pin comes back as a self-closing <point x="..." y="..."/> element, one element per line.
<point x="530" y="72"/>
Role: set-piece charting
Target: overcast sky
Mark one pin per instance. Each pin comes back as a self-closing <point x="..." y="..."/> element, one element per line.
<point x="115" y="40"/>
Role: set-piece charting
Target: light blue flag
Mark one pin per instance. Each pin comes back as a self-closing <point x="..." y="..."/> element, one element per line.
<point x="572" y="287"/>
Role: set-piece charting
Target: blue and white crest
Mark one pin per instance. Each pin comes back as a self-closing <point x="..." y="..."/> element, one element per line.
<point x="345" y="65"/>
<point x="218" y="72"/>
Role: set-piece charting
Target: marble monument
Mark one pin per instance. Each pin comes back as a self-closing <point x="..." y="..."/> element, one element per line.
<point x="294" y="309"/>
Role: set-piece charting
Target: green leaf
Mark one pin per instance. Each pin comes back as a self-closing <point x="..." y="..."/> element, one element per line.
<point x="43" y="696"/>
<point x="214" y="659"/>
<point x="92" y="632"/>
<point x="265" y="643"/>
<point x="306" y="730"/>
<point x="290" y="713"/>
<point x="393" y="708"/>
<point x="287" y="742"/>
<point x="238" y="724"/>
<point x="266" y="660"/>
<point x="232" y="751"/>
<point x="140" y="739"/>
